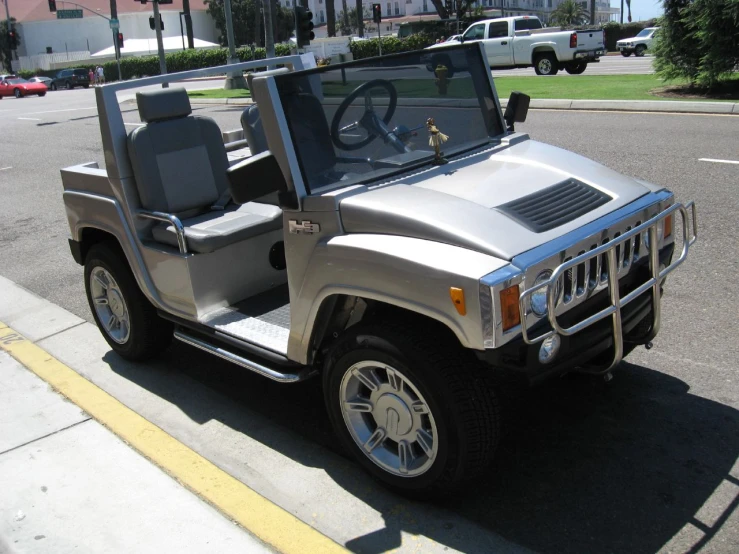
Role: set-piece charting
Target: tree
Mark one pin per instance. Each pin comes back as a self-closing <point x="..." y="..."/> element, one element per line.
<point x="698" y="41"/>
<point x="569" y="13"/>
<point x="330" y="19"/>
<point x="247" y="21"/>
<point x="6" y="47"/>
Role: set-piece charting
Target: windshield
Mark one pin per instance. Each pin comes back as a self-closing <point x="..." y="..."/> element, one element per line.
<point x="645" y="32"/>
<point x="17" y="81"/>
<point x="366" y="120"/>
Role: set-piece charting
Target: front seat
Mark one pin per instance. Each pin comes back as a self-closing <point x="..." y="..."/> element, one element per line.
<point x="180" y="162"/>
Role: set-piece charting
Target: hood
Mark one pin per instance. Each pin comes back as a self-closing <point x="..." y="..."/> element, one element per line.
<point x="632" y="39"/>
<point x="462" y="203"/>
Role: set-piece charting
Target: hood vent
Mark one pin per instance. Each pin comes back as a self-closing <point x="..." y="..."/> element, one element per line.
<point x="555" y="205"/>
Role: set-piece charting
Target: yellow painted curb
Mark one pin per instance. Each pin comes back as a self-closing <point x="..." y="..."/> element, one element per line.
<point x="259" y="516"/>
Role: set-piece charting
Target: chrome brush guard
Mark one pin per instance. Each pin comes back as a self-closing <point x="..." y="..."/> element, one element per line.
<point x="609" y="251"/>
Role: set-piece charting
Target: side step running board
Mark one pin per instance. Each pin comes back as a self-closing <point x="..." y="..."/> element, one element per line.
<point x="256" y="367"/>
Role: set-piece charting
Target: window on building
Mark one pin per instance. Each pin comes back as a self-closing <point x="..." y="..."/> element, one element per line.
<point x="323" y="18"/>
<point x="425" y="6"/>
<point x="549" y="3"/>
<point x="397" y="9"/>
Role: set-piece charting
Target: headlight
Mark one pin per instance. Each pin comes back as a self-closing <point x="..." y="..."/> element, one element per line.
<point x="539" y="298"/>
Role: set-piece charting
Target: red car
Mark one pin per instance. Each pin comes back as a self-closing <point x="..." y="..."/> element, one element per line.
<point x="18" y="87"/>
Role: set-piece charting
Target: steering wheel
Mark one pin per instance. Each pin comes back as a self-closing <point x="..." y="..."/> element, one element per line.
<point x="372" y="124"/>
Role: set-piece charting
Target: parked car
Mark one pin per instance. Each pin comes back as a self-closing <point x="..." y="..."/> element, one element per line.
<point x="18" y="87"/>
<point x="522" y="41"/>
<point x="404" y="271"/>
<point x="71" y="78"/>
<point x="639" y="44"/>
<point x="40" y="79"/>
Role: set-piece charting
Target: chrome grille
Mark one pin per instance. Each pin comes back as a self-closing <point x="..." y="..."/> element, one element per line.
<point x="555" y="205"/>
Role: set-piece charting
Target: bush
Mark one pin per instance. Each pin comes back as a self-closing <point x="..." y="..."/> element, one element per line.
<point x="698" y="41"/>
<point x="615" y="31"/>
<point x="184" y="60"/>
<point x="390" y="45"/>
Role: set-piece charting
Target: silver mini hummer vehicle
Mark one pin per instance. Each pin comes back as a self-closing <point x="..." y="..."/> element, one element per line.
<point x="347" y="245"/>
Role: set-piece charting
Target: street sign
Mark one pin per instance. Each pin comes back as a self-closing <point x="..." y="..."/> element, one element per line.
<point x="69" y="14"/>
<point x="114" y="24"/>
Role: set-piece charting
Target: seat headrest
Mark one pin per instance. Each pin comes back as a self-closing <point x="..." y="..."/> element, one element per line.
<point x="160" y="105"/>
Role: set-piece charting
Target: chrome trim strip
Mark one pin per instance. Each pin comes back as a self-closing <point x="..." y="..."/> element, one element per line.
<point x="168" y="218"/>
<point x="280" y="377"/>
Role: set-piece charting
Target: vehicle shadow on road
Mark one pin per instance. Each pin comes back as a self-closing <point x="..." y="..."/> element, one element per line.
<point x="582" y="466"/>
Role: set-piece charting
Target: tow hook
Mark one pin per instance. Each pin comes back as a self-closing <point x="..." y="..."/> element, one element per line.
<point x="649" y="345"/>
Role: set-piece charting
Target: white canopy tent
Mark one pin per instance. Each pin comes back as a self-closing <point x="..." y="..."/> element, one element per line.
<point x="143" y="46"/>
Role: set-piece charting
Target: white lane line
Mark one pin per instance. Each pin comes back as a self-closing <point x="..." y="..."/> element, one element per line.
<point x="67" y="110"/>
<point x="4" y="168"/>
<point x="30" y="118"/>
<point x="718" y="161"/>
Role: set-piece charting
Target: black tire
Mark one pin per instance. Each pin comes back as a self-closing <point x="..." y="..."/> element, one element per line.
<point x="639" y="50"/>
<point x="86" y="86"/>
<point x="53" y="86"/>
<point x="18" y="93"/>
<point x="625" y="53"/>
<point x="576" y="68"/>
<point x="454" y="386"/>
<point x="69" y="86"/>
<point x="546" y="64"/>
<point x="444" y="60"/>
<point x="149" y="334"/>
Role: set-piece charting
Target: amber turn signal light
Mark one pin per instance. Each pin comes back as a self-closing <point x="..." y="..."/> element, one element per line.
<point x="668" y="226"/>
<point x="457" y="295"/>
<point x="509" y="307"/>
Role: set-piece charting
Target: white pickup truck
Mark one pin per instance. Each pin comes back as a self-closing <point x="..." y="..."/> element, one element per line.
<point x="522" y="41"/>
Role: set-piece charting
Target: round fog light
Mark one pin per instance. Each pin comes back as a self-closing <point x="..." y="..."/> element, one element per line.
<point x="549" y="349"/>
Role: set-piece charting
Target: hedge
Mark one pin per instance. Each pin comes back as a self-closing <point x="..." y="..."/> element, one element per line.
<point x="390" y="45"/>
<point x="184" y="60"/>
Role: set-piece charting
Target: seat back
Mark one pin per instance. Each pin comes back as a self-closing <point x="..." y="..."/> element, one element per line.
<point x="179" y="160"/>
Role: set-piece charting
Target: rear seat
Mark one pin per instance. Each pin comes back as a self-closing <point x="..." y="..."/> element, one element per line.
<point x="180" y="162"/>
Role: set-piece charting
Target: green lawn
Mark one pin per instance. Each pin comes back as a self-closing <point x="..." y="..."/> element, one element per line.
<point x="219" y="93"/>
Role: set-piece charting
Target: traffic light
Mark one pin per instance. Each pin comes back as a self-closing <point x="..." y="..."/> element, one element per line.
<point x="376" y="13"/>
<point x="152" y="24"/>
<point x="120" y="40"/>
<point x="303" y="26"/>
<point x="52" y="5"/>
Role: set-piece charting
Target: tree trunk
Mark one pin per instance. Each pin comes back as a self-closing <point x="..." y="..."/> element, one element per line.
<point x="440" y="8"/>
<point x="360" y="19"/>
<point x="258" y="36"/>
<point x="330" y="18"/>
<point x="345" y="14"/>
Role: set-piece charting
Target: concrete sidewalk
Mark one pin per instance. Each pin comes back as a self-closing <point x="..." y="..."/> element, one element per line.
<point x="68" y="484"/>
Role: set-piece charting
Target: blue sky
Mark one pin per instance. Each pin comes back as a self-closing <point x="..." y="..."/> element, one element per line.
<point x="641" y="9"/>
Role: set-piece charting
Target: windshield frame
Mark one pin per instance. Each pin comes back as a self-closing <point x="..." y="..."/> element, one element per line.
<point x="299" y="179"/>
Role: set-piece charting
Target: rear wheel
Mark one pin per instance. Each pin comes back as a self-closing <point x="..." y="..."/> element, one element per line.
<point x="42" y="93"/>
<point x="546" y="64"/>
<point x="128" y="321"/>
<point x="639" y="50"/>
<point x="18" y="93"/>
<point x="86" y="86"/>
<point x="576" y="68"/>
<point x="413" y="408"/>
<point x="53" y="86"/>
<point x="69" y="85"/>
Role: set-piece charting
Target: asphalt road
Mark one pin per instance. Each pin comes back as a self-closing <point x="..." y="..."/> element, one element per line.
<point x="645" y="464"/>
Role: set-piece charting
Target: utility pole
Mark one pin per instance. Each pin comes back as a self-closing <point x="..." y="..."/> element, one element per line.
<point x="622" y="12"/>
<point x="7" y="28"/>
<point x="235" y="79"/>
<point x="592" y="12"/>
<point x="269" y="30"/>
<point x="113" y="15"/>
<point x="160" y="44"/>
<point x="188" y="23"/>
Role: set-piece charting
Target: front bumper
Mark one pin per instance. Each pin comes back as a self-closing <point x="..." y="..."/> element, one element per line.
<point x="619" y="294"/>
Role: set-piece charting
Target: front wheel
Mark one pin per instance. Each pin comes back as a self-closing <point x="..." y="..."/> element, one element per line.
<point x="18" y="93"/>
<point x="42" y="93"/>
<point x="53" y="86"/>
<point x="640" y="50"/>
<point x="625" y="53"/>
<point x="576" y="68"/>
<point x="414" y="411"/>
<point x="546" y="64"/>
<point x="128" y="321"/>
<point x="69" y="86"/>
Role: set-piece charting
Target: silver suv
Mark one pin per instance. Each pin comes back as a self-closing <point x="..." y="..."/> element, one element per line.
<point x="389" y="232"/>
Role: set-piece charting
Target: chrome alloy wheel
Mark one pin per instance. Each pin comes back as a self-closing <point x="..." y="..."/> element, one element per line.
<point x="388" y="418"/>
<point x="545" y="66"/>
<point x="110" y="305"/>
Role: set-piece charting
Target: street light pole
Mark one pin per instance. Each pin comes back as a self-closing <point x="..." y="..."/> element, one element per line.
<point x="160" y="44"/>
<point x="114" y="15"/>
<point x="188" y="23"/>
<point x="235" y="79"/>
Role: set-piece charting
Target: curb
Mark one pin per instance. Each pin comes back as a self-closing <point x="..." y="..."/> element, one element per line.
<point x="658" y="106"/>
